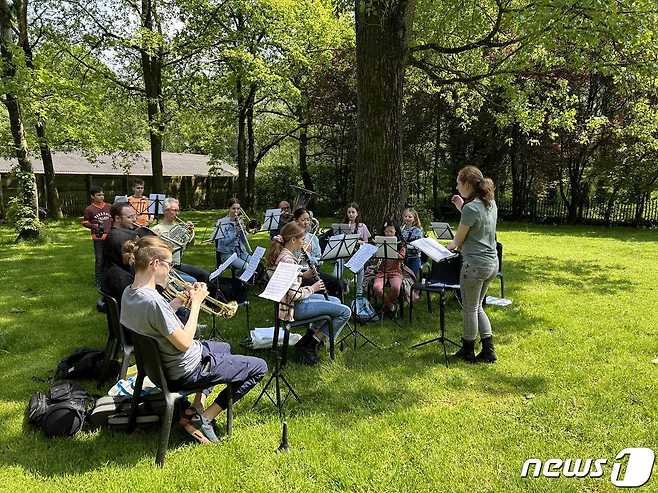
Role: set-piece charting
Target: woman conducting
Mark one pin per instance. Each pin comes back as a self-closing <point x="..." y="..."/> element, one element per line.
<point x="476" y="239"/>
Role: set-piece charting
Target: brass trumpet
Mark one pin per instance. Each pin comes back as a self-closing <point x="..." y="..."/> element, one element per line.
<point x="177" y="288"/>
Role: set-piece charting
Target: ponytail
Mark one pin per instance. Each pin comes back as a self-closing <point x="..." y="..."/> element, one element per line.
<point x="289" y="232"/>
<point x="483" y="188"/>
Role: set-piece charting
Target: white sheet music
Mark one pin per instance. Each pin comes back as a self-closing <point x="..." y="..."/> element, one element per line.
<point x="337" y="248"/>
<point x="156" y="199"/>
<point x="120" y="199"/>
<point x="254" y="260"/>
<point x="280" y="282"/>
<point x="362" y="255"/>
<point x="433" y="249"/>
<point x="387" y="247"/>
<point x="272" y="218"/>
<point x="222" y="267"/>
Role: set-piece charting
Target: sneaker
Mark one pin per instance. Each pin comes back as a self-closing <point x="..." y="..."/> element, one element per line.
<point x="200" y="427"/>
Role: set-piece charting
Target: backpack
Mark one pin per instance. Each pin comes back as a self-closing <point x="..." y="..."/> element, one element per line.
<point x="61" y="411"/>
<point x="84" y="363"/>
<point x="363" y="311"/>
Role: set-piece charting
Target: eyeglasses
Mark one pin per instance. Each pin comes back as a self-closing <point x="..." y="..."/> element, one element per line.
<point x="169" y="264"/>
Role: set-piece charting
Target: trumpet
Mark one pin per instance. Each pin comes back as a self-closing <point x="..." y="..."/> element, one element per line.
<point x="177" y="288"/>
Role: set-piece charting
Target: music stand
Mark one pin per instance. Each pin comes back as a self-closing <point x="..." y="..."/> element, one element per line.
<point x="156" y="204"/>
<point x="277" y="288"/>
<point x="443" y="281"/>
<point x="387" y="249"/>
<point x="442" y="231"/>
<point x="272" y="219"/>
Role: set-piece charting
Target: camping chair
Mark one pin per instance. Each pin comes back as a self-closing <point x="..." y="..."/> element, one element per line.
<point x="149" y="364"/>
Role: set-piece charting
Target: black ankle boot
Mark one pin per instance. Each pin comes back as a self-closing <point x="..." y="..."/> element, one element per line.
<point x="305" y="349"/>
<point x="467" y="351"/>
<point x="488" y="353"/>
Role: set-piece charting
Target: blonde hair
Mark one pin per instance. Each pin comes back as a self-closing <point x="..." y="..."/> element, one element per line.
<point x="146" y="249"/>
<point x="482" y="187"/>
<point x="289" y="232"/>
<point x="413" y="211"/>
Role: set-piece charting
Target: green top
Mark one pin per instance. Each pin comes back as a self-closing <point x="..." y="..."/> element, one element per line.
<point x="479" y="248"/>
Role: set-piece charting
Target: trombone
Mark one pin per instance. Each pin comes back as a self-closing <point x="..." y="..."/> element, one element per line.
<point x="177" y="288"/>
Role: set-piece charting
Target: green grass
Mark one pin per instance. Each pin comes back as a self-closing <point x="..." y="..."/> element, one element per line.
<point x="574" y="379"/>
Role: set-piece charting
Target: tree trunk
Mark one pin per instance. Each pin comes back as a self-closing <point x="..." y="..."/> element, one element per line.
<point x="242" y="141"/>
<point x="2" y="199"/>
<point x="382" y="30"/>
<point x="251" y="159"/>
<point x="437" y="157"/>
<point x="303" y="149"/>
<point x="52" y="194"/>
<point x="27" y="226"/>
<point x="152" y="74"/>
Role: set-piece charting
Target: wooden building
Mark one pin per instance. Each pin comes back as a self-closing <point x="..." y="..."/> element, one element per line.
<point x="192" y="178"/>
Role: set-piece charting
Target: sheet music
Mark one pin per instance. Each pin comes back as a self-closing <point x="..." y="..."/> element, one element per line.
<point x="222" y="267"/>
<point x="362" y="255"/>
<point x="283" y="278"/>
<point x="387" y="247"/>
<point x="433" y="249"/>
<point x="156" y="199"/>
<point x="272" y="219"/>
<point x="253" y="264"/>
<point x="340" y="246"/>
<point x="120" y="199"/>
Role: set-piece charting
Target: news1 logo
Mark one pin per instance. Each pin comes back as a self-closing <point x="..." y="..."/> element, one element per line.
<point x="632" y="468"/>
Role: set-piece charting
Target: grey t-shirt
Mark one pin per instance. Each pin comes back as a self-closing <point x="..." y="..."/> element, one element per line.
<point x="144" y="311"/>
<point x="479" y="248"/>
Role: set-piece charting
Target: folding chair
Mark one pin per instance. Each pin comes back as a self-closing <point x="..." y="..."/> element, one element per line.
<point x="149" y="364"/>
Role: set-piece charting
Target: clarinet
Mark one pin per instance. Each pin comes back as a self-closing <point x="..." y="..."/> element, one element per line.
<point x="312" y="268"/>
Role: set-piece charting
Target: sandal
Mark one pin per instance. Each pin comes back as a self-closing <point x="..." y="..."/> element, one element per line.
<point x="198" y="426"/>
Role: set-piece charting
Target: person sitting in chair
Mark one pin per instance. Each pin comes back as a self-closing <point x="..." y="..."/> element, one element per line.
<point x="188" y="363"/>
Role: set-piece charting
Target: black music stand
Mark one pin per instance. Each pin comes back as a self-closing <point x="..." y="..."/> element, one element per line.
<point x="387" y="250"/>
<point x="277" y="376"/>
<point x="444" y="276"/>
<point x="276" y="290"/>
<point x="272" y="219"/>
<point x="442" y="231"/>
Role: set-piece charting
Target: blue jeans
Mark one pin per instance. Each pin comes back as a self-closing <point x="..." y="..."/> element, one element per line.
<point x="473" y="282"/>
<point x="315" y="305"/>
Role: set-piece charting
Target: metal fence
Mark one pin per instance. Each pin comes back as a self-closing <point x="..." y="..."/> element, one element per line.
<point x="617" y="213"/>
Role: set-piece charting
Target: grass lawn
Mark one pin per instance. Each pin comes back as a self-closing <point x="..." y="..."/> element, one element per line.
<point x="574" y="379"/>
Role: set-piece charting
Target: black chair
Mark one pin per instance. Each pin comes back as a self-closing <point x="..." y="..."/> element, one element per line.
<point x="118" y="346"/>
<point x="149" y="364"/>
<point x="499" y="274"/>
<point x="441" y="274"/>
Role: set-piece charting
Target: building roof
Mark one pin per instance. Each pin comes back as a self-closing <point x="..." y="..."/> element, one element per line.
<point x="139" y="164"/>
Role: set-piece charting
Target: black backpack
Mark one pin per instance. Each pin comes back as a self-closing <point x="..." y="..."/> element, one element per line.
<point x="61" y="411"/>
<point x="84" y="363"/>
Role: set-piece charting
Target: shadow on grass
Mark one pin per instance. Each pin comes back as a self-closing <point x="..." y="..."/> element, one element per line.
<point x="581" y="276"/>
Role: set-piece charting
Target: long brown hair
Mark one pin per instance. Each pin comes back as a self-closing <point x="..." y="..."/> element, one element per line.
<point x="357" y="220"/>
<point x="483" y="187"/>
<point x="289" y="232"/>
<point x="146" y="249"/>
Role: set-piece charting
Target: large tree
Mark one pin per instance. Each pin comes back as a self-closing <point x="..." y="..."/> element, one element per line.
<point x="28" y="219"/>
